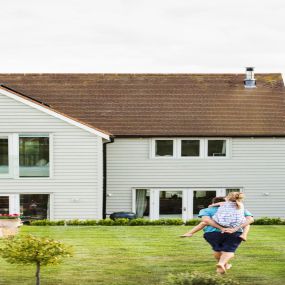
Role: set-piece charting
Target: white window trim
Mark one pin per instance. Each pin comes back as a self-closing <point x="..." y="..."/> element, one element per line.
<point x="14" y="162"/>
<point x="187" y="203"/>
<point x="228" y="150"/>
<point x="50" y="136"/>
<point x="201" y="146"/>
<point x="153" y="141"/>
<point x="10" y="156"/>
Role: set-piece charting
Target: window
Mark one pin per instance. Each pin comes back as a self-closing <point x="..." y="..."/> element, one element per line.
<point x="34" y="156"/>
<point x="4" y="155"/>
<point x="142" y="202"/>
<point x="164" y="148"/>
<point x="217" y="148"/>
<point x="34" y="206"/>
<point x="190" y="148"/>
<point x="228" y="190"/>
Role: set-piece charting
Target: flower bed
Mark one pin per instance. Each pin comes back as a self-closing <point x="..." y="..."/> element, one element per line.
<point x="9" y="217"/>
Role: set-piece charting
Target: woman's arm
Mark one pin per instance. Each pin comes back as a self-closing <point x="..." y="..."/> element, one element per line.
<point x="212" y="223"/>
<point x="249" y="220"/>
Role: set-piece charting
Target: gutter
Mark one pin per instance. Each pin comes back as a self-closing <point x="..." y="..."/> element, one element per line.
<point x="105" y="176"/>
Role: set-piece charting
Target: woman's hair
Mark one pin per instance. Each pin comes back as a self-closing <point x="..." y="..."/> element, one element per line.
<point x="236" y="197"/>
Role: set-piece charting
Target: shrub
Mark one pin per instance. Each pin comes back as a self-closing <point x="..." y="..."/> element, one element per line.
<point x="47" y="223"/>
<point x="121" y="222"/>
<point x="140" y="222"/>
<point x="34" y="250"/>
<point x="106" y="222"/>
<point x="81" y="223"/>
<point x="269" y="221"/>
<point x="193" y="222"/>
<point x="198" y="279"/>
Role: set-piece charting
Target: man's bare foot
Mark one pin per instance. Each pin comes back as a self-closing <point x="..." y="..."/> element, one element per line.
<point x="221" y="268"/>
<point x="244" y="238"/>
<point x="186" y="235"/>
<point x="228" y="266"/>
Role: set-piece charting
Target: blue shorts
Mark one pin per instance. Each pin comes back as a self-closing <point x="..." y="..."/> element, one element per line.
<point x="223" y="242"/>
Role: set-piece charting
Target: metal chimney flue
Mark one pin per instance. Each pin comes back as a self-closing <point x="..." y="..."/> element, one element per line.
<point x="249" y="81"/>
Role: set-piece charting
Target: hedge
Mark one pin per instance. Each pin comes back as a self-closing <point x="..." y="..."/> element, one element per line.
<point x="141" y="222"/>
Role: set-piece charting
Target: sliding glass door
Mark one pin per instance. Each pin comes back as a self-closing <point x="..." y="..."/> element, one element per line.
<point x="168" y="203"/>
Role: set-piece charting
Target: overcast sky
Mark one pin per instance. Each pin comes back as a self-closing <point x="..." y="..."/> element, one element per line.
<point x="142" y="36"/>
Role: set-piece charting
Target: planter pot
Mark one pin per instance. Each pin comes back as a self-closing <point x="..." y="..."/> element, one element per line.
<point x="9" y="227"/>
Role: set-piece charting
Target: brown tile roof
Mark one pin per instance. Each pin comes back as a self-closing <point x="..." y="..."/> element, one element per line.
<point x="162" y="104"/>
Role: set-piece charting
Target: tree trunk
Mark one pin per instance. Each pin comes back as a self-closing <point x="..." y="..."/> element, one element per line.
<point x="38" y="281"/>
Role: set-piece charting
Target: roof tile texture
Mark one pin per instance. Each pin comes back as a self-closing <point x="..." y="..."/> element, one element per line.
<point x="162" y="104"/>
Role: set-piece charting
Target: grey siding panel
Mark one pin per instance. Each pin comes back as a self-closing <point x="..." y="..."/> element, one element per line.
<point x="257" y="165"/>
<point x="77" y="162"/>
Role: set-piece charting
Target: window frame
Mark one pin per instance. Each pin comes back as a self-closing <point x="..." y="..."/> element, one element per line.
<point x="50" y="136"/>
<point x="228" y="151"/>
<point x="14" y="157"/>
<point x="201" y="148"/>
<point x="10" y="156"/>
<point x="153" y="147"/>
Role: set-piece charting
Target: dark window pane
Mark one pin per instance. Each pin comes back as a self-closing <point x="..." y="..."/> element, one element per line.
<point x="164" y="148"/>
<point x="216" y="148"/>
<point x="190" y="148"/>
<point x="170" y="204"/>
<point x="232" y="190"/>
<point x="4" y="156"/>
<point x="201" y="200"/>
<point x="34" y="206"/>
<point x="4" y="205"/>
<point x="34" y="156"/>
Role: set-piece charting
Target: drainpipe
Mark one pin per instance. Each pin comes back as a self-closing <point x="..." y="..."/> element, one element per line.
<point x="105" y="176"/>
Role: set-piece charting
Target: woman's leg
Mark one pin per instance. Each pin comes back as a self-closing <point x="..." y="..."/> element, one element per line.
<point x="224" y="261"/>
<point x="196" y="229"/>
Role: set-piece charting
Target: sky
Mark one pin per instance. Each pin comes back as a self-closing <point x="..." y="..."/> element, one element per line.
<point x="142" y="36"/>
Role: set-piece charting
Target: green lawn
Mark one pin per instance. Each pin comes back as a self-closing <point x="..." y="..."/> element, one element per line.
<point x="145" y="255"/>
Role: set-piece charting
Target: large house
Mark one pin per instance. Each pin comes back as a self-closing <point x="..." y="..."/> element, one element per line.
<point x="161" y="145"/>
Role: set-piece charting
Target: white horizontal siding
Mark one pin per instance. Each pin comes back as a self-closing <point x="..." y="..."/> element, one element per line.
<point x="257" y="165"/>
<point x="77" y="162"/>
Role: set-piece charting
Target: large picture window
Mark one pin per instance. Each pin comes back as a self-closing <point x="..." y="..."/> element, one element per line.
<point x="34" y="156"/>
<point x="4" y="155"/>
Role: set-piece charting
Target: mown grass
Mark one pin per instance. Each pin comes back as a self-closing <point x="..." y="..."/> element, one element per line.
<point x="146" y="254"/>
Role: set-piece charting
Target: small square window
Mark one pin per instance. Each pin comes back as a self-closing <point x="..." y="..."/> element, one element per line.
<point x="190" y="148"/>
<point x="217" y="147"/>
<point x="164" y="148"/>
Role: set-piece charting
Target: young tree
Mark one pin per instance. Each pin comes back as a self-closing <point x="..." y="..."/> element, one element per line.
<point x="29" y="249"/>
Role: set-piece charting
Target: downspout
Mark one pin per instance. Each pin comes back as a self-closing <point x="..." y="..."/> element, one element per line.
<point x="105" y="176"/>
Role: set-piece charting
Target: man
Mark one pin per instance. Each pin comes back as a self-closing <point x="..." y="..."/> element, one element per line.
<point x="224" y="242"/>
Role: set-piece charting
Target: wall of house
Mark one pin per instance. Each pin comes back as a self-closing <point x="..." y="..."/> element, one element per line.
<point x="256" y="164"/>
<point x="76" y="183"/>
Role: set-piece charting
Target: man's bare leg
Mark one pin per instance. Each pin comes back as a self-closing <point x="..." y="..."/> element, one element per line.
<point x="196" y="229"/>
<point x="224" y="260"/>
<point x="245" y="232"/>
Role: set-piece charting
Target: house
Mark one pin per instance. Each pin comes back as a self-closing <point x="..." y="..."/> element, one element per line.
<point x="161" y="145"/>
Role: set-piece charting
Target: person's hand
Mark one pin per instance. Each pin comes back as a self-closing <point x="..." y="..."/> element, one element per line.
<point x="230" y="230"/>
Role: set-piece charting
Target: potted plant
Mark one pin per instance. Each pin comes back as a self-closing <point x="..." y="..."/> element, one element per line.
<point x="9" y="224"/>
